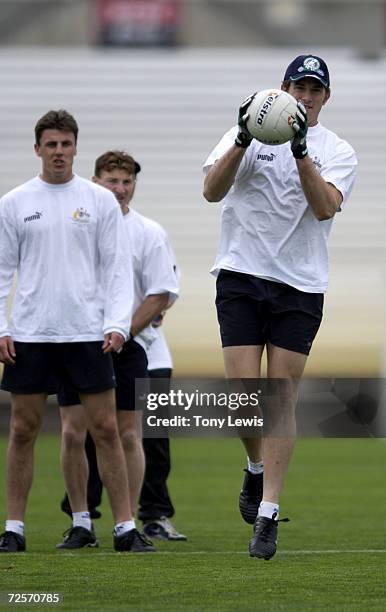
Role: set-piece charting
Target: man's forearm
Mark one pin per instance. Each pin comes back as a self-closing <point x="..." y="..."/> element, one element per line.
<point x="150" y="308"/>
<point x="222" y="174"/>
<point x="323" y="197"/>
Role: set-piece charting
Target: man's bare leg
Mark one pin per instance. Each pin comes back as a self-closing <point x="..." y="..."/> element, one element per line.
<point x="277" y="451"/>
<point x="26" y="417"/>
<point x="101" y="421"/>
<point x="73" y="457"/>
<point x="245" y="362"/>
<point x="130" y="431"/>
<point x="279" y="440"/>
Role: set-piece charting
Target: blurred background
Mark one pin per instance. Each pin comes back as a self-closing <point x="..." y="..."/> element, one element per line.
<point x="163" y="79"/>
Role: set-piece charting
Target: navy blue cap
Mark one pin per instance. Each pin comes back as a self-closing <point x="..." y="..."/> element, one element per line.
<point x="308" y="66"/>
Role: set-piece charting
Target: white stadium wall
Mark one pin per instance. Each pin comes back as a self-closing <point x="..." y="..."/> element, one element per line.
<point x="169" y="108"/>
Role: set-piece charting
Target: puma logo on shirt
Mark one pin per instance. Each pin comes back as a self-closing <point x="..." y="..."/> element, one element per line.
<point x="37" y="215"/>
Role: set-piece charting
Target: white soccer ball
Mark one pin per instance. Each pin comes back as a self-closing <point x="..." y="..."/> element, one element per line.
<point x="271" y="115"/>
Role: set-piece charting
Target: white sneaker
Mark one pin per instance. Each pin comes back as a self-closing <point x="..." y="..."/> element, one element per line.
<point x="163" y="529"/>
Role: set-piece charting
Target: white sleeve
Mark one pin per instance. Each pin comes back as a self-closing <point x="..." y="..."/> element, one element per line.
<point x="159" y="268"/>
<point x="9" y="259"/>
<point x="116" y="273"/>
<point x="223" y="146"/>
<point x="341" y="168"/>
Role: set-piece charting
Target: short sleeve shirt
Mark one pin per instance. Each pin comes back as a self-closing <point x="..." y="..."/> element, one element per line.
<point x="268" y="228"/>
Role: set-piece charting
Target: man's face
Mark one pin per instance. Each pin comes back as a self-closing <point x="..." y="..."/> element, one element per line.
<point x="312" y="94"/>
<point x="57" y="151"/>
<point x="120" y="182"/>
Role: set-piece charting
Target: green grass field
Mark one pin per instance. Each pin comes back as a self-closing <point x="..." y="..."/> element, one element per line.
<point x="331" y="556"/>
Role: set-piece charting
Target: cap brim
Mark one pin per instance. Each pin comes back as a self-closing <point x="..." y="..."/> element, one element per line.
<point x="137" y="167"/>
<point x="311" y="75"/>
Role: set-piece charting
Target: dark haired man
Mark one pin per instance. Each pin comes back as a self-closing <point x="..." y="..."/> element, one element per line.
<point x="272" y="266"/>
<point x="71" y="311"/>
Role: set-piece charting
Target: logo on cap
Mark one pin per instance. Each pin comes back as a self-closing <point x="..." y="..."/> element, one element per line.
<point x="311" y="64"/>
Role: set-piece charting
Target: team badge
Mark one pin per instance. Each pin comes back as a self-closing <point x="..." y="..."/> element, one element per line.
<point x="311" y="64"/>
<point x="80" y="215"/>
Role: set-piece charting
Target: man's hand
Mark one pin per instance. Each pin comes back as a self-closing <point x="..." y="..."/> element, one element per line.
<point x="157" y="322"/>
<point x="7" y="350"/>
<point x="299" y="143"/>
<point x="113" y="343"/>
<point x="244" y="138"/>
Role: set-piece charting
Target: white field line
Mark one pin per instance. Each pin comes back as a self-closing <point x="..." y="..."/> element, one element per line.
<point x="356" y="551"/>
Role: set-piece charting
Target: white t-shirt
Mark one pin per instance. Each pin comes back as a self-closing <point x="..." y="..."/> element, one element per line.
<point x="74" y="279"/>
<point x="152" y="265"/>
<point x="267" y="227"/>
<point x="158" y="354"/>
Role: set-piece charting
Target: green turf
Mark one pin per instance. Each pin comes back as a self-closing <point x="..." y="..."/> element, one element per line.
<point x="335" y="495"/>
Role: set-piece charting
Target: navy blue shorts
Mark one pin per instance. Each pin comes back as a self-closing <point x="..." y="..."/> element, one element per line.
<point x="254" y="311"/>
<point x="43" y="367"/>
<point x="129" y="364"/>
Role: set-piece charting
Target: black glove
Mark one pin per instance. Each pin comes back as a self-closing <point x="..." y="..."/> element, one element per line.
<point x="300" y="125"/>
<point x="244" y="138"/>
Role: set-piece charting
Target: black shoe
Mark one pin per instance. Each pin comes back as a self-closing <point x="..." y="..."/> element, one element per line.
<point x="250" y="496"/>
<point x="66" y="508"/>
<point x="11" y="542"/>
<point x="264" y="541"/>
<point x="133" y="541"/>
<point x="79" y="537"/>
<point x="94" y="513"/>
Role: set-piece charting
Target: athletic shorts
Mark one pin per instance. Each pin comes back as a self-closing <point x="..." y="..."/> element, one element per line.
<point x="129" y="364"/>
<point x="43" y="367"/>
<point x="254" y="311"/>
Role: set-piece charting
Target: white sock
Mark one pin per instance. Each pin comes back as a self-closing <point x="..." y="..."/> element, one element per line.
<point x="15" y="526"/>
<point x="81" y="519"/>
<point x="268" y="509"/>
<point x="255" y="467"/>
<point x="123" y="527"/>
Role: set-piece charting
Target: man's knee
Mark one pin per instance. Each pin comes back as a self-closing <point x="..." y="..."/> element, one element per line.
<point x="73" y="438"/>
<point x="130" y="438"/>
<point x="26" y="419"/>
<point x="105" y="431"/>
<point x="24" y="431"/>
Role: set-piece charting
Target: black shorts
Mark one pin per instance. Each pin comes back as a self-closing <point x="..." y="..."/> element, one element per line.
<point x="254" y="311"/>
<point x="43" y="367"/>
<point x="129" y="364"/>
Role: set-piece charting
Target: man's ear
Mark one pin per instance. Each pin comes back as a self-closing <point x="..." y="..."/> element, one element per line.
<point x="327" y="96"/>
<point x="37" y="149"/>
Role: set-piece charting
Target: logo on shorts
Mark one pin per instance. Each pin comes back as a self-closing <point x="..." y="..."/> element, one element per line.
<point x="37" y="215"/>
<point x="81" y="216"/>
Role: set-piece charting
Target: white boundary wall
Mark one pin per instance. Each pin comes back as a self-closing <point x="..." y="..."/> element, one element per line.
<point x="169" y="108"/>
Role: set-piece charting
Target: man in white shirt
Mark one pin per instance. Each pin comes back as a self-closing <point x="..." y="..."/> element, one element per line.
<point x="272" y="267"/>
<point x="71" y="312"/>
<point x="155" y="288"/>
